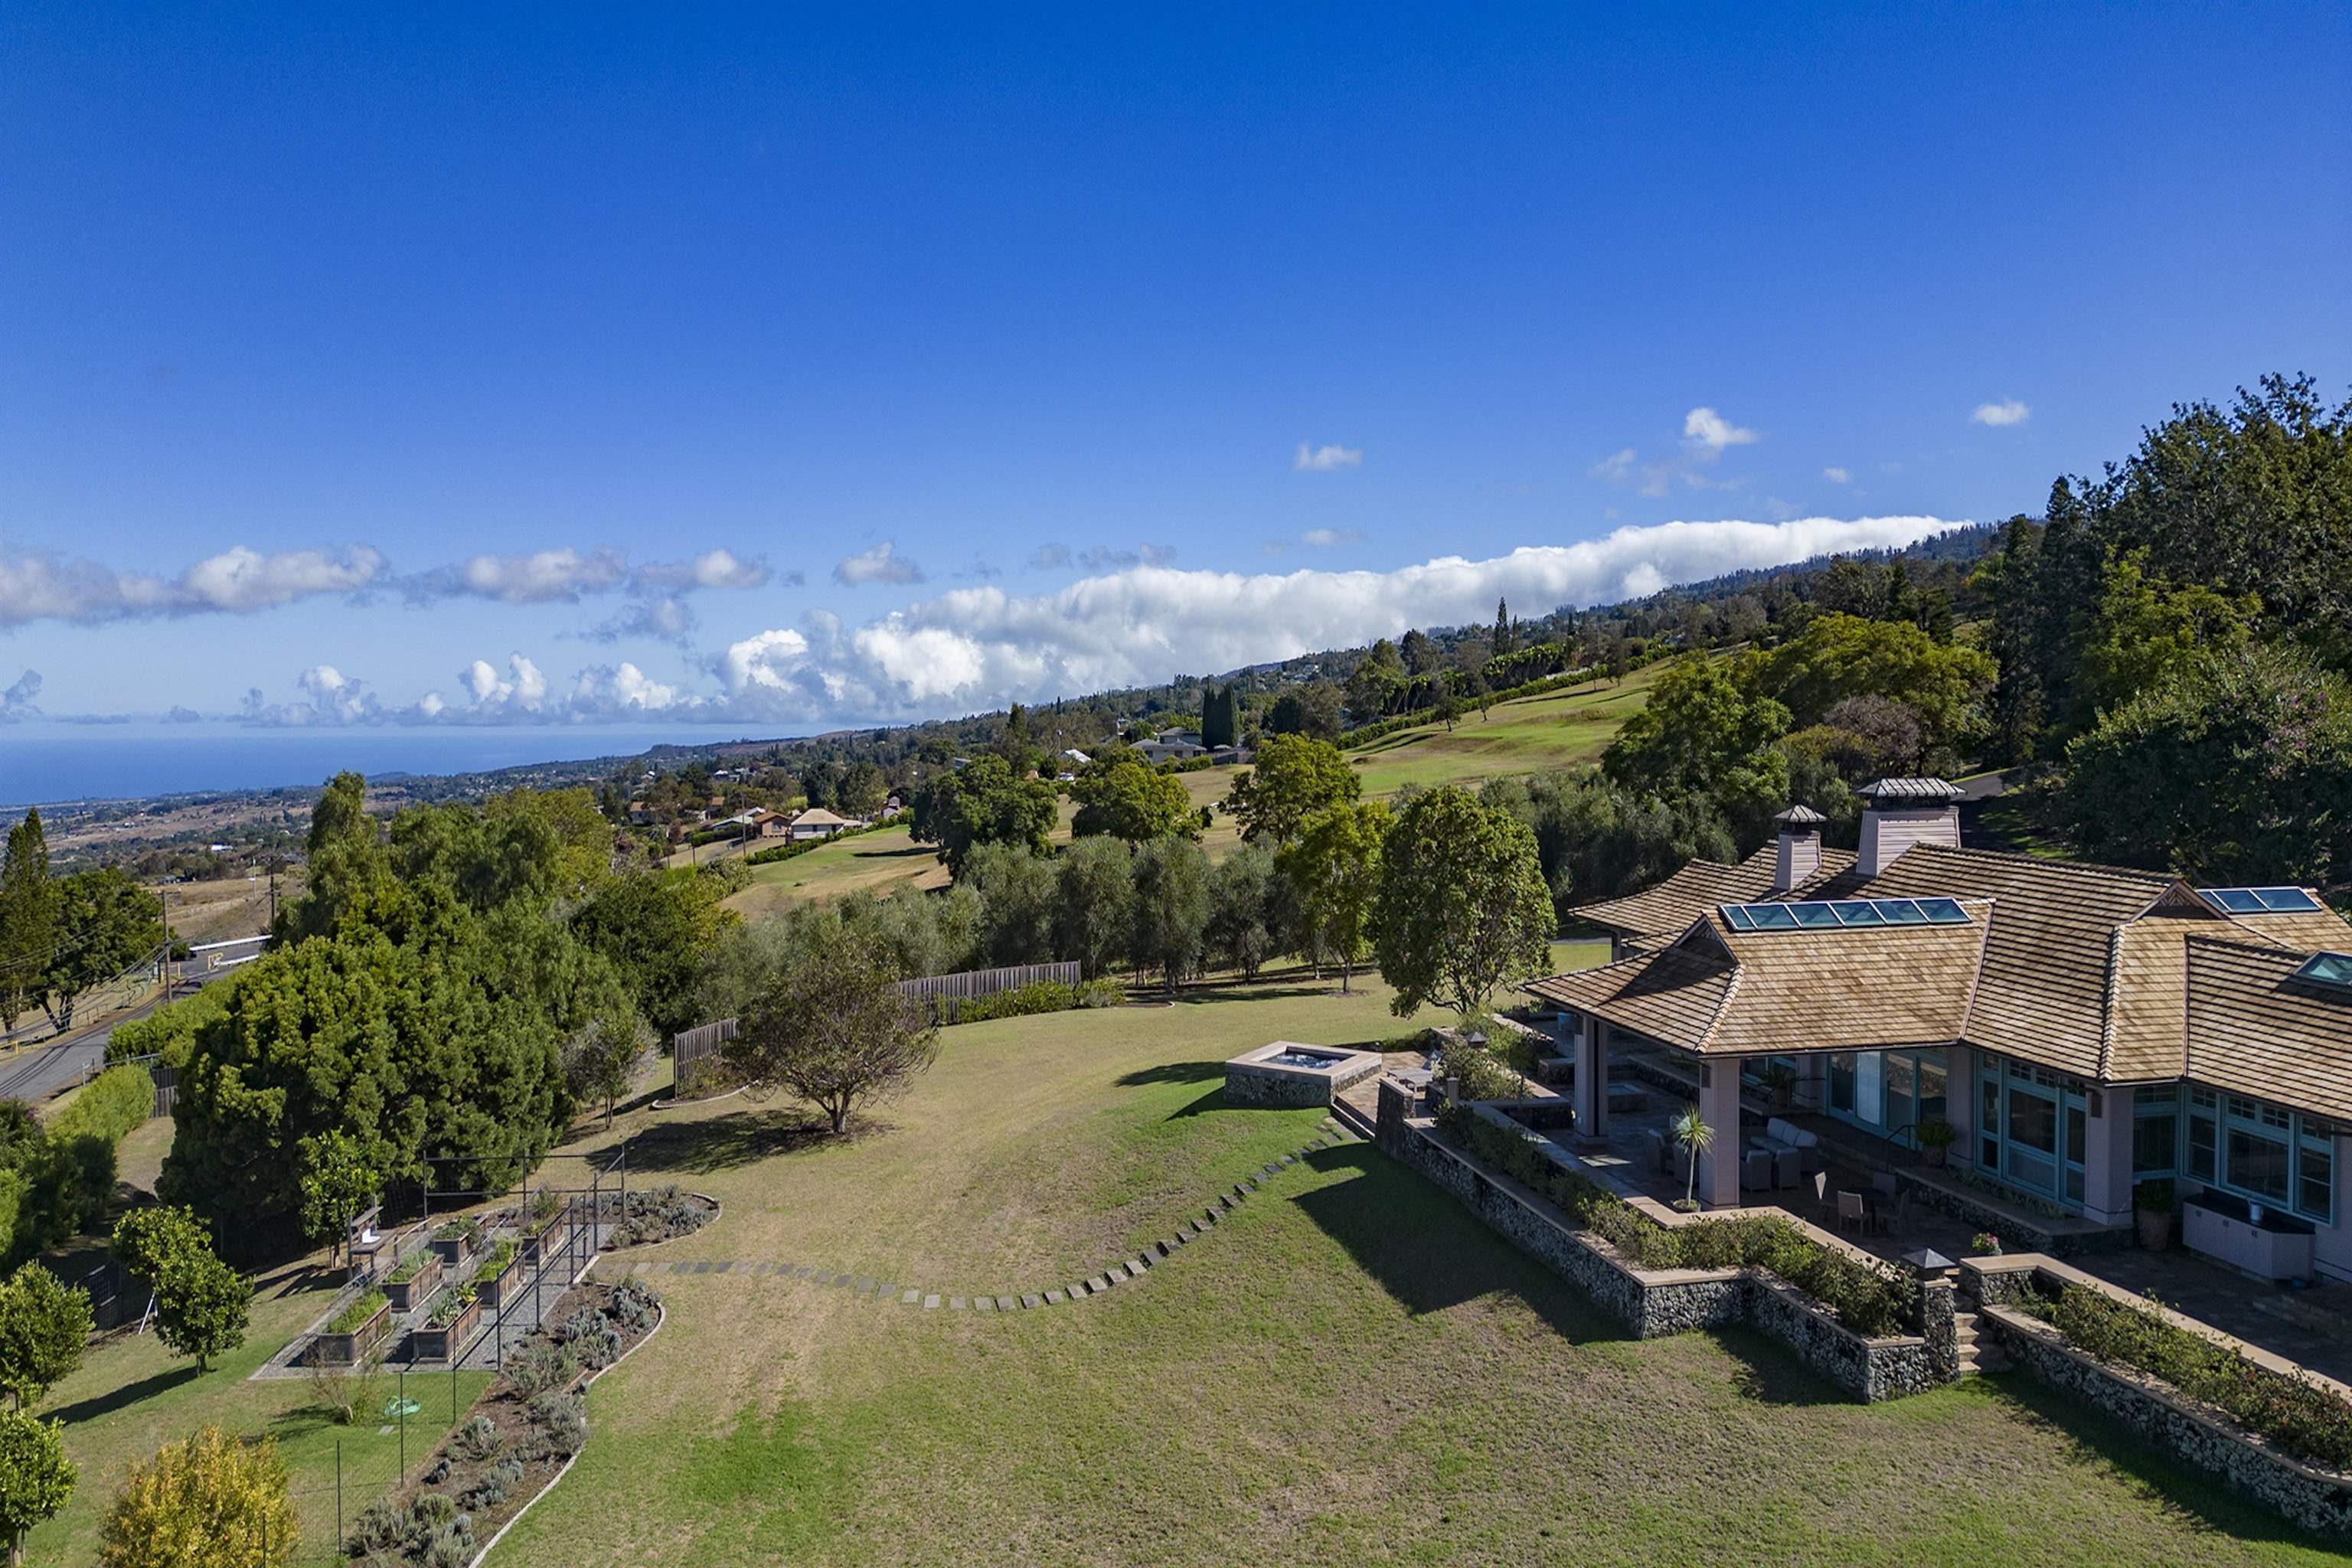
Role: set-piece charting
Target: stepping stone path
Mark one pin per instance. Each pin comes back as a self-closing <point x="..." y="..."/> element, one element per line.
<point x="867" y="1287"/>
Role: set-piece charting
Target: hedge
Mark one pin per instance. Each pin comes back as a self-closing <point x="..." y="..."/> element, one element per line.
<point x="1865" y="1301"/>
<point x="2301" y="1416"/>
<point x="62" y="1181"/>
<point x="1044" y="997"/>
<point x="770" y="855"/>
<point x="110" y="1108"/>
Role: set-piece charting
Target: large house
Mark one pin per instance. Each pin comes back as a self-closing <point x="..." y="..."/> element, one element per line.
<point x="2079" y="1028"/>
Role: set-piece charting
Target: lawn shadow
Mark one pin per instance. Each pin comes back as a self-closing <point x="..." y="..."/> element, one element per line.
<point x="1770" y="1374"/>
<point x="129" y="1394"/>
<point x="2202" y="1501"/>
<point x="1213" y="1100"/>
<point x="739" y="1138"/>
<point x="1426" y="1251"/>
<point x="1173" y="1072"/>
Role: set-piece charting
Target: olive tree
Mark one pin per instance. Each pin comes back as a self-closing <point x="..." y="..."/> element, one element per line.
<point x="1463" y="906"/>
<point x="44" y="1326"/>
<point x="37" y="1479"/>
<point x="836" y="1029"/>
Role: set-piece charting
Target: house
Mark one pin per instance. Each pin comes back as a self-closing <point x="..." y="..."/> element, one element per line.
<point x="2078" y="1028"/>
<point x="766" y="824"/>
<point x="1075" y="757"/>
<point x="818" y="823"/>
<point x="1172" y="746"/>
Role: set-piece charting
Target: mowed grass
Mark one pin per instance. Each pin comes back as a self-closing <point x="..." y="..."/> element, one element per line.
<point x="1349" y="1369"/>
<point x="1531" y="734"/>
<point x="131" y="1396"/>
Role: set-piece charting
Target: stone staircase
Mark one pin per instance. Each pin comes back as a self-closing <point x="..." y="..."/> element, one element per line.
<point x="1976" y="1355"/>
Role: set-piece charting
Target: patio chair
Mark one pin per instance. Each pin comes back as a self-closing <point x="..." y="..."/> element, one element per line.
<point x="1851" y="1210"/>
<point x="1784" y="1168"/>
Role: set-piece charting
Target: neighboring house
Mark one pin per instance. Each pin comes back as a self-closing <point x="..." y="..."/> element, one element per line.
<point x="1075" y="757"/>
<point x="1172" y="746"/>
<point x="768" y="824"/>
<point x="818" y="823"/>
<point x="2080" y="1028"/>
<point x="640" y="815"/>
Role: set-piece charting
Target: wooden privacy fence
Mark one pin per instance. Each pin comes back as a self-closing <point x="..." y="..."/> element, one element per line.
<point x="696" y="1050"/>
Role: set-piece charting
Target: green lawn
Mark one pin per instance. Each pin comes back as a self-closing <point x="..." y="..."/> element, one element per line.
<point x="1349" y="1369"/>
<point x="131" y="1396"/>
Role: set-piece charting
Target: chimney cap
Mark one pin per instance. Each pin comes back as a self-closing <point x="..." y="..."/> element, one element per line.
<point x="1799" y="816"/>
<point x="1909" y="792"/>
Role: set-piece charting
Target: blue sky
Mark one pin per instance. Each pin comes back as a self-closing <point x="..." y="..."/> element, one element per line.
<point x="341" y="349"/>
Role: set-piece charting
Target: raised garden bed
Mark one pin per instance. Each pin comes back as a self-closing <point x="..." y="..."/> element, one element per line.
<point x="347" y="1338"/>
<point x="413" y="1282"/>
<point x="455" y="1241"/>
<point x="521" y="1434"/>
<point x="546" y="1227"/>
<point x="489" y="1279"/>
<point x="443" y="1336"/>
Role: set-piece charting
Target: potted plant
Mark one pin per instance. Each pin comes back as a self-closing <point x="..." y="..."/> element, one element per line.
<point x="1780" y="1082"/>
<point x="411" y="1283"/>
<point x="489" y="1277"/>
<point x="345" y="1339"/>
<point x="1936" y="1139"/>
<point x="2152" y="1207"/>
<point x="1985" y="1243"/>
<point x="455" y="1240"/>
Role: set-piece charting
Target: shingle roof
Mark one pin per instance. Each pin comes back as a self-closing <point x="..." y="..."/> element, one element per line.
<point x="2310" y="930"/>
<point x="2255" y="1029"/>
<point x="1658" y="914"/>
<point x="1728" y="993"/>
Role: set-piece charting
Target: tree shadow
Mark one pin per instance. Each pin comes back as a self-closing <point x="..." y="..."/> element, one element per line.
<point x="1214" y="1100"/>
<point x="1173" y="1072"/>
<point x="129" y="1394"/>
<point x="739" y="1138"/>
<point x="1770" y="1374"/>
<point x="1426" y="1252"/>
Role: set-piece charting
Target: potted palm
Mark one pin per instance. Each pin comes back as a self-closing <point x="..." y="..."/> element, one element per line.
<point x="1936" y="1139"/>
<point x="1694" y="1137"/>
<point x="2152" y="1207"/>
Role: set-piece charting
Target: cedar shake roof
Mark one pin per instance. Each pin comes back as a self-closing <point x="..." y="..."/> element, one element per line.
<point x="1656" y="915"/>
<point x="2313" y="930"/>
<point x="1730" y="992"/>
<point x="2255" y="1029"/>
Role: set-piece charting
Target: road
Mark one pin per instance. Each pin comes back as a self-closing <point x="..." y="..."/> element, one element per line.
<point x="33" y="1075"/>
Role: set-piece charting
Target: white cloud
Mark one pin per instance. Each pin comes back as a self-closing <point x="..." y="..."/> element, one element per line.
<point x="2007" y="412"/>
<point x="1837" y="476"/>
<point x="38" y="586"/>
<point x="882" y="563"/>
<point x="522" y="688"/>
<point x="720" y="568"/>
<point x="1707" y="433"/>
<point x="1324" y="459"/>
<point x="17" y="703"/>
<point x="1117" y="558"/>
<point x="1317" y="538"/>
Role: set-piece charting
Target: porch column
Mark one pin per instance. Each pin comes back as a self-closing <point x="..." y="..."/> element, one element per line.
<point x="2107" y="1157"/>
<point x="1591" y="1086"/>
<point x="1718" y="1107"/>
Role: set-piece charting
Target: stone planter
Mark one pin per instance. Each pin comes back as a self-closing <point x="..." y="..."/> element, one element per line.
<point x="2155" y="1227"/>
<point x="442" y="1344"/>
<point x="350" y="1349"/>
<point x="418" y="1288"/>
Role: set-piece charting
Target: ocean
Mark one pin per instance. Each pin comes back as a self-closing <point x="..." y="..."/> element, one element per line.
<point x="47" y="763"/>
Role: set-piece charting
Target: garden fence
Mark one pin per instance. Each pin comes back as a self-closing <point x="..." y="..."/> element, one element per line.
<point x="700" y="1047"/>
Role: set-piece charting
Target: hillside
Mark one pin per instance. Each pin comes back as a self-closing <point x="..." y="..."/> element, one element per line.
<point x="1556" y="730"/>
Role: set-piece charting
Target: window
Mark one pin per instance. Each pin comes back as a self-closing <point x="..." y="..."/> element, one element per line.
<point x="2257" y="1163"/>
<point x="1841" y="1081"/>
<point x="2315" y="1176"/>
<point x="1989" y="1124"/>
<point x="2077" y="1140"/>
<point x="2156" y="1136"/>
<point x="2201" y="1136"/>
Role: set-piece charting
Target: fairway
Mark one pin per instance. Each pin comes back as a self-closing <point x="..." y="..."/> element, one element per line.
<point x="1347" y="1368"/>
<point x="1529" y="734"/>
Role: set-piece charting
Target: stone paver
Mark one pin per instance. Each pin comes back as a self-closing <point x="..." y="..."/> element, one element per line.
<point x="1054" y="1298"/>
<point x="929" y="1302"/>
<point x="910" y="1296"/>
<point x="1033" y="1301"/>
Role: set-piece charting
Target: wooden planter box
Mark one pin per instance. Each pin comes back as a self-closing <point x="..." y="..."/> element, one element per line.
<point x="430" y="1343"/>
<point x="417" y="1289"/>
<point x="548" y="1242"/>
<point x="489" y="1288"/>
<point x="450" y="1250"/>
<point x="350" y="1349"/>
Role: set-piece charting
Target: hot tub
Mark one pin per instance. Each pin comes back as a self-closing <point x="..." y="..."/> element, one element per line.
<point x="1288" y="1074"/>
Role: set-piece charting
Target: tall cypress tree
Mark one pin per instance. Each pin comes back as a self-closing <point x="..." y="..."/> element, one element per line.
<point x="28" y="918"/>
<point x="1504" y="640"/>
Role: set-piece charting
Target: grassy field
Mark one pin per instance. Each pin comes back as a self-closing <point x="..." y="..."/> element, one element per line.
<point x="1349" y="1369"/>
<point x="1555" y="731"/>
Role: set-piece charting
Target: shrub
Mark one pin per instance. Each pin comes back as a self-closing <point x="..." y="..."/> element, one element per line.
<point x="542" y="1367"/>
<point x="380" y="1527"/>
<point x="408" y="1268"/>
<point x="1043" y="996"/>
<point x="1483" y="1077"/>
<point x="633" y="1305"/>
<point x="500" y="1259"/>
<point x="450" y="1306"/>
<point x="477" y="1440"/>
<point x="492" y="1485"/>
<point x="468" y="1230"/>
<point x="2304" y="1418"/>
<point x="661" y="1214"/>
<point x="560" y="1420"/>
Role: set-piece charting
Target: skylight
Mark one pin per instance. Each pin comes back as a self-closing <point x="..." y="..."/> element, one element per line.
<point x="2262" y="900"/>
<point x="1843" y="914"/>
<point x="2327" y="969"/>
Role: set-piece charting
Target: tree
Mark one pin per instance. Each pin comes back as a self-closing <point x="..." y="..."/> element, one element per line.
<point x="1220" y="714"/>
<point x="1463" y="906"/>
<point x="2008" y="578"/>
<point x="1126" y="797"/>
<point x="338" y="1182"/>
<point x="347" y="862"/>
<point x="1312" y="709"/>
<point x="1702" y="735"/>
<point x="983" y="803"/>
<point x="1334" y="870"/>
<point x="44" y="1326"/>
<point x="1375" y="683"/>
<point x="1419" y="654"/>
<point x="1093" y="903"/>
<point x="1295" y="777"/>
<point x="1171" y="908"/>
<point x="1505" y="641"/>
<point x="1242" y="932"/>
<point x="600" y="1059"/>
<point x="149" y="1241"/>
<point x="209" y="1502"/>
<point x="2146" y="630"/>
<point x="655" y="929"/>
<point x="837" y="1031"/>
<point x="1838" y="656"/>
<point x="106" y="923"/>
<point x="864" y="791"/>
<point x="37" y="1479"/>
<point x="200" y="1307"/>
<point x="1691" y="1133"/>
<point x="1017" y="888"/>
<point x="28" y="918"/>
<point x="1015" y="747"/>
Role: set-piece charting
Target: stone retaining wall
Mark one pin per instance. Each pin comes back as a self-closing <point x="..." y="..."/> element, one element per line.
<point x="1652" y="1303"/>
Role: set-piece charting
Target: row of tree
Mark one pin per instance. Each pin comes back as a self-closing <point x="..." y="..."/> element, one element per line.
<point x="61" y="936"/>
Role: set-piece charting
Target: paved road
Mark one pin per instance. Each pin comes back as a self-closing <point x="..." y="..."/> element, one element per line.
<point x="33" y="1075"/>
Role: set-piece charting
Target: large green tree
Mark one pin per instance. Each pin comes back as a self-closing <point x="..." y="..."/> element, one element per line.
<point x="1168" y="931"/>
<point x="1093" y="903"/>
<point x="45" y="1327"/>
<point x="37" y="1479"/>
<point x="985" y="802"/>
<point x="1462" y="907"/>
<point x="28" y="918"/>
<point x="1126" y="797"/>
<point x="105" y="924"/>
<point x="1705" y="735"/>
<point x="1243" y="926"/>
<point x="836" y="1029"/>
<point x="1334" y="871"/>
<point x="1016" y="888"/>
<point x="1294" y="776"/>
<point x="655" y="929"/>
<point x="1838" y="657"/>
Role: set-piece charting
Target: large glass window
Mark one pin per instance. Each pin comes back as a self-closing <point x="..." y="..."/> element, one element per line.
<point x="2034" y="1139"/>
<point x="2315" y="1173"/>
<point x="1989" y="1123"/>
<point x="2257" y="1163"/>
<point x="2202" y="1143"/>
<point x="1841" y="1081"/>
<point x="2156" y="1137"/>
